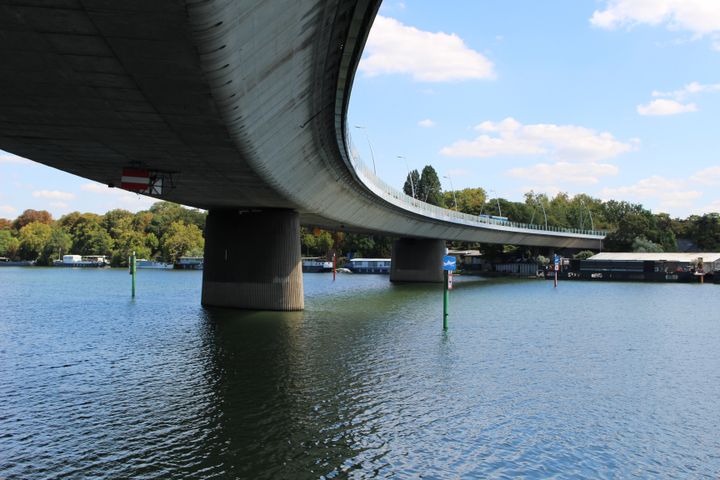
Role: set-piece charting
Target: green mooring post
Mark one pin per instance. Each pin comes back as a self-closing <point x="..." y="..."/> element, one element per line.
<point x="133" y="271"/>
<point x="445" y="299"/>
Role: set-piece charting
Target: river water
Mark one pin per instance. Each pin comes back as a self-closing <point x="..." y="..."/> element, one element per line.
<point x="589" y="380"/>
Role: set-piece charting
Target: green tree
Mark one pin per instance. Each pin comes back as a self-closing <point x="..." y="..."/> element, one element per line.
<point x="116" y="221"/>
<point x="58" y="244"/>
<point x="182" y="240"/>
<point x="643" y="245"/>
<point x="428" y="188"/>
<point x="631" y="226"/>
<point x="614" y="212"/>
<point x="128" y="243"/>
<point x="34" y="238"/>
<point x="469" y="200"/>
<point x="165" y="214"/>
<point x="309" y="243"/>
<point x="412" y="183"/>
<point x="9" y="245"/>
<point x="87" y="233"/>
<point x="705" y="231"/>
<point x="325" y="242"/>
<point x="359" y="245"/>
<point x="583" y="255"/>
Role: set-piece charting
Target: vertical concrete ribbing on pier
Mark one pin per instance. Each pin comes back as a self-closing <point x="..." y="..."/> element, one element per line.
<point x="417" y="260"/>
<point x="252" y="260"/>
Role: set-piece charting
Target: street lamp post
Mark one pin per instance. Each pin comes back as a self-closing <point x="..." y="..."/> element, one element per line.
<point x="412" y="183"/>
<point x="453" y="190"/>
<point x="497" y="200"/>
<point x="543" y="210"/>
<point x="592" y="225"/>
<point x="372" y="154"/>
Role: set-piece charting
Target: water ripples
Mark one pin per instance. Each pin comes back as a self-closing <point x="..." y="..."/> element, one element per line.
<point x="583" y="382"/>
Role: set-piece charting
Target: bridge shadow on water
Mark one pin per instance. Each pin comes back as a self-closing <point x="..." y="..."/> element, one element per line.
<point x="307" y="394"/>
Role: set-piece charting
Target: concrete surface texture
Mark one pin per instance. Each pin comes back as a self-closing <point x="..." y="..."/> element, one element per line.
<point x="244" y="103"/>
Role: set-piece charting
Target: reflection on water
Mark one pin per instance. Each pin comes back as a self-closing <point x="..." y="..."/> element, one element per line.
<point x="588" y="380"/>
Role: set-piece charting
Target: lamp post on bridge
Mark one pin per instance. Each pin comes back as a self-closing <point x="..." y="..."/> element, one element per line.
<point x="537" y="200"/>
<point x="412" y="183"/>
<point x="543" y="210"/>
<point x="497" y="200"/>
<point x="592" y="225"/>
<point x="453" y="191"/>
<point x="372" y="154"/>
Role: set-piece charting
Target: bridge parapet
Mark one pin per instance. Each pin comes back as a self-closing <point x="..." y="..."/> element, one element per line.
<point x="400" y="199"/>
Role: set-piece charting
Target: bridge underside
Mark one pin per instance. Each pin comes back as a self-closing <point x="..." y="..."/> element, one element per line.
<point x="243" y="103"/>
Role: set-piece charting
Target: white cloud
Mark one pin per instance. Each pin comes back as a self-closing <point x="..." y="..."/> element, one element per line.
<point x="549" y="190"/>
<point x="6" y="157"/>
<point x="713" y="207"/>
<point x="129" y="200"/>
<point x="671" y="103"/>
<point x="663" y="106"/>
<point x="562" y="143"/>
<point x="395" y="48"/>
<point x="96" y="188"/>
<point x="564" y="172"/>
<point x="691" y="88"/>
<point x="427" y="123"/>
<point x="672" y="194"/>
<point x="53" y="194"/>
<point x="7" y="209"/>
<point x="708" y="176"/>
<point x="697" y="16"/>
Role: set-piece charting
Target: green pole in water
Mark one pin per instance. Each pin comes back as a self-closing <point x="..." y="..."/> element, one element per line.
<point x="445" y="299"/>
<point x="133" y="271"/>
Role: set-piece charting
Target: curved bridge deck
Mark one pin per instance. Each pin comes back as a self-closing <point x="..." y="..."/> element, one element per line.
<point x="244" y="102"/>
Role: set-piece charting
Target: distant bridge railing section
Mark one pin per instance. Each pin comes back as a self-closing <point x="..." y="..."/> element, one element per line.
<point x="401" y="199"/>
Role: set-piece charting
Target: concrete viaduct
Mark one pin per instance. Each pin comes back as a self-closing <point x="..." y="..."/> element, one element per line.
<point x="244" y="104"/>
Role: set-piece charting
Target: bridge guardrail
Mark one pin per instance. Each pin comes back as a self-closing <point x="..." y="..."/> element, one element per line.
<point x="400" y="198"/>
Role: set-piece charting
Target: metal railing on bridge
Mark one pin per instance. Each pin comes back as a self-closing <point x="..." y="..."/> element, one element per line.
<point x="401" y="199"/>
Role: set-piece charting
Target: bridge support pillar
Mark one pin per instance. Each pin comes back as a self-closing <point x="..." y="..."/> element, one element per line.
<point x="417" y="260"/>
<point x="252" y="260"/>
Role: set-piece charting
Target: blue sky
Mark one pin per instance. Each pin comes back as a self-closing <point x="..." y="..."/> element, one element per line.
<point x="615" y="98"/>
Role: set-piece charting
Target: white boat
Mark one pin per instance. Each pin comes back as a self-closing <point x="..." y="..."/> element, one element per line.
<point x="152" y="264"/>
<point x="369" y="265"/>
<point x="79" y="261"/>
<point x="316" y="265"/>
<point x="190" y="263"/>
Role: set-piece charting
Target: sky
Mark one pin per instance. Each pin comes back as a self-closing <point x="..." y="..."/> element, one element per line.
<point x="619" y="99"/>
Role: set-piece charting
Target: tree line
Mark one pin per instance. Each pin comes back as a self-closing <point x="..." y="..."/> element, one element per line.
<point x="168" y="231"/>
<point x="630" y="226"/>
<point x="164" y="232"/>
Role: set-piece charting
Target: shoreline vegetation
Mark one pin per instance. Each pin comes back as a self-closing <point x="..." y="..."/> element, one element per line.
<point x="167" y="231"/>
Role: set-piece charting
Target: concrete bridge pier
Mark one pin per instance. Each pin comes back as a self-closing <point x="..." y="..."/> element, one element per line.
<point x="252" y="260"/>
<point x="417" y="260"/>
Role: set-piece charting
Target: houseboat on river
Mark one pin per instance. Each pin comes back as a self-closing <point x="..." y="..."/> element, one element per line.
<point x="316" y="265"/>
<point x="153" y="264"/>
<point x="82" y="261"/>
<point x="189" y="263"/>
<point x="369" y="265"/>
<point x="6" y="262"/>
<point x="642" y="267"/>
